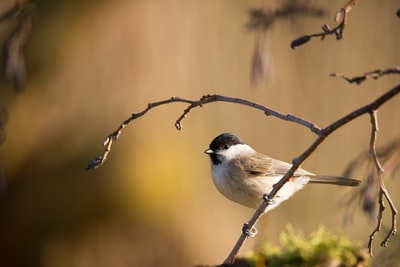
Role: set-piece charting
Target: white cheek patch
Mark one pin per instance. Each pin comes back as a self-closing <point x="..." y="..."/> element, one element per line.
<point x="235" y="150"/>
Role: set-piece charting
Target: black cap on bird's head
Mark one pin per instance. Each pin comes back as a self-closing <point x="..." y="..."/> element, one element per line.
<point x="222" y="142"/>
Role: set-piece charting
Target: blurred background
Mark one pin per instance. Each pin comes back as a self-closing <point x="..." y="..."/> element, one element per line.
<point x="90" y="64"/>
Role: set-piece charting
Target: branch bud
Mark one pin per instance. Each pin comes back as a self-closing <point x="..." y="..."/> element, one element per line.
<point x="338" y="15"/>
<point x="300" y="41"/>
<point x="326" y="28"/>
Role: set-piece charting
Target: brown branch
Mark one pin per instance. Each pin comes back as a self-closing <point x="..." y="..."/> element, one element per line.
<point x="374" y="74"/>
<point x="393" y="229"/>
<point x="207" y="99"/>
<point x="383" y="191"/>
<point x="325" y="132"/>
<point x="107" y="143"/>
<point x="379" y="171"/>
<point x="326" y="29"/>
<point x="364" y="166"/>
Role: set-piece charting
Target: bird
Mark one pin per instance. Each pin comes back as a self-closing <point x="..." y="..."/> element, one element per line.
<point x="246" y="176"/>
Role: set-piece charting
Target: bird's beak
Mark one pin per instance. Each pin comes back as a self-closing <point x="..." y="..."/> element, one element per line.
<point x="209" y="151"/>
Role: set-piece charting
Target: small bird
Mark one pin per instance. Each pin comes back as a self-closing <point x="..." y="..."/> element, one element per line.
<point x="244" y="175"/>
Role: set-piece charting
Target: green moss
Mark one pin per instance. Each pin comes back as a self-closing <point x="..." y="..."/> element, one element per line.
<point x="320" y="248"/>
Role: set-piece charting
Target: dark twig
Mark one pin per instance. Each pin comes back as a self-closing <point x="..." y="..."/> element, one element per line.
<point x="326" y="29"/>
<point x="374" y="74"/>
<point x="107" y="143"/>
<point x="97" y="162"/>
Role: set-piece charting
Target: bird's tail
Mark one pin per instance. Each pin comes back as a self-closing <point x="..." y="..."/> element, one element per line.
<point x="336" y="180"/>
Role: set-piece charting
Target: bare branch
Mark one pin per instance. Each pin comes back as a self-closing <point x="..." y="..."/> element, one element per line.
<point x="375" y="74"/>
<point x="379" y="171"/>
<point x="97" y="162"/>
<point x="326" y="29"/>
<point x="364" y="165"/>
<point x="297" y="161"/>
<point x="107" y="143"/>
<point x="383" y="191"/>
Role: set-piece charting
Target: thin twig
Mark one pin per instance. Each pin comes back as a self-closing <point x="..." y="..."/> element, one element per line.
<point x="364" y="165"/>
<point x="107" y="143"/>
<point x="374" y="74"/>
<point x="207" y="99"/>
<point x="379" y="171"/>
<point x="393" y="228"/>
<point x="383" y="191"/>
<point x="326" y="29"/>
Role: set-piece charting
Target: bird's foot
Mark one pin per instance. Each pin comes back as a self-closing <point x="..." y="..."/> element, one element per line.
<point x="250" y="232"/>
<point x="271" y="202"/>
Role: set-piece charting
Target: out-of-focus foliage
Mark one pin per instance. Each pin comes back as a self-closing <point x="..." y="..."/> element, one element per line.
<point x="21" y="14"/>
<point x="367" y="196"/>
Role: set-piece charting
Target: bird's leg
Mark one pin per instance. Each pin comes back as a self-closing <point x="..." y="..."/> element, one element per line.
<point x="249" y="232"/>
<point x="271" y="202"/>
<point x="252" y="232"/>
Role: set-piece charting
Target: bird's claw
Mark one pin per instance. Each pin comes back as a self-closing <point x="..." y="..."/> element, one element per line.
<point x="270" y="201"/>
<point x="250" y="232"/>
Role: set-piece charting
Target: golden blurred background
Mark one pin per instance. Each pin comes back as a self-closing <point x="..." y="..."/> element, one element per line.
<point x="90" y="64"/>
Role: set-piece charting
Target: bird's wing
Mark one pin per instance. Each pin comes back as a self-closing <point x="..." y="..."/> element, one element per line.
<point x="261" y="165"/>
<point x="282" y="167"/>
<point x="257" y="165"/>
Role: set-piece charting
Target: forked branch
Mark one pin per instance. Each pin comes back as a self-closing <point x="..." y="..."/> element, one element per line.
<point x="341" y="15"/>
<point x="383" y="193"/>
<point x="374" y="74"/>
<point x="207" y="99"/>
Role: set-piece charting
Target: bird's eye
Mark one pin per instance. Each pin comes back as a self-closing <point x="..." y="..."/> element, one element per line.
<point x="226" y="146"/>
